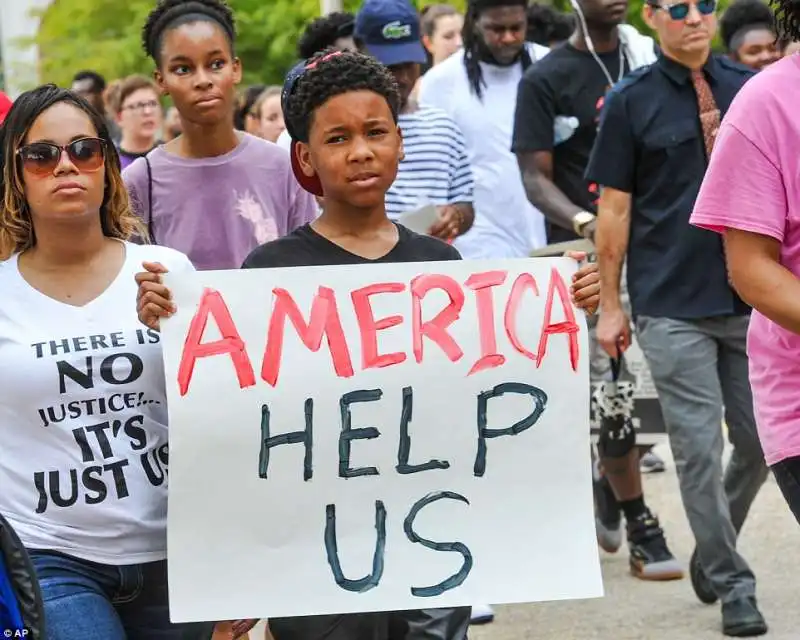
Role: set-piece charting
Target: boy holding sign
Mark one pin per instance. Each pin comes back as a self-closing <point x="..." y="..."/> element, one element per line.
<point x="341" y="110"/>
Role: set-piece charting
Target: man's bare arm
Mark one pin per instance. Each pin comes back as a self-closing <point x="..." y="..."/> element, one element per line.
<point x="611" y="240"/>
<point x="536" y="168"/>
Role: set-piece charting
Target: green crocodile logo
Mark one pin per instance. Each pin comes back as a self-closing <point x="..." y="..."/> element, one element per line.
<point x="396" y="30"/>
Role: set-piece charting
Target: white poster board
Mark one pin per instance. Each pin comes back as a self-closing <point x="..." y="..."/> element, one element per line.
<point x="388" y="496"/>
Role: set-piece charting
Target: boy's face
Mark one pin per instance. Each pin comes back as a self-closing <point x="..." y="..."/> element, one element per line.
<point x="354" y="147"/>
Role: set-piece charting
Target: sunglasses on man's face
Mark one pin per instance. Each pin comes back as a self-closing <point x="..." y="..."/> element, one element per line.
<point x="41" y="158"/>
<point x="680" y="10"/>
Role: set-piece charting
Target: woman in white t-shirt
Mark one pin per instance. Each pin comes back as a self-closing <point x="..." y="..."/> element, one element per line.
<point x="83" y="416"/>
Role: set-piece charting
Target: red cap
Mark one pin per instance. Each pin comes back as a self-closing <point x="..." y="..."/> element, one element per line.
<point x="5" y="106"/>
<point x="312" y="184"/>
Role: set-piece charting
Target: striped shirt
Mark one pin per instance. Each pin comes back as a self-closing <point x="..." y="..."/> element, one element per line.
<point x="435" y="169"/>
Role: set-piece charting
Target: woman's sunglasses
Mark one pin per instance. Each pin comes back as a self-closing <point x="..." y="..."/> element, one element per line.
<point x="41" y="158"/>
<point x="680" y="10"/>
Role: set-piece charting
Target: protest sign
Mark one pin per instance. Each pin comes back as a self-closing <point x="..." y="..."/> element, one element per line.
<point x="377" y="437"/>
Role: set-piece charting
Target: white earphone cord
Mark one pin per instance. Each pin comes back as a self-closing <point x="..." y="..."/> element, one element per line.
<point x="590" y="46"/>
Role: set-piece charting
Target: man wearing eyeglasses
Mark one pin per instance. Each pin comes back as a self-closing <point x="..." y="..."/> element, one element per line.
<point x="656" y="131"/>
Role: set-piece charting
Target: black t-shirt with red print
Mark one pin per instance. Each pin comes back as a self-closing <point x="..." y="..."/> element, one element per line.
<point x="565" y="91"/>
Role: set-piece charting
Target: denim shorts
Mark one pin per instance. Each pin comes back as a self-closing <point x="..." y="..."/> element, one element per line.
<point x="89" y="601"/>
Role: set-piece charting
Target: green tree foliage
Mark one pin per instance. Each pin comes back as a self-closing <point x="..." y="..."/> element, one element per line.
<point x="105" y="35"/>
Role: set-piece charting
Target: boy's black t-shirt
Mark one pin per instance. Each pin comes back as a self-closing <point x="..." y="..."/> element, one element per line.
<point x="304" y="247"/>
<point x="566" y="83"/>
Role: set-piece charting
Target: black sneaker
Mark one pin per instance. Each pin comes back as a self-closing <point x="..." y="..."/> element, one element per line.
<point x="700" y="583"/>
<point x="742" y="619"/>
<point x="607" y="516"/>
<point x="650" y="558"/>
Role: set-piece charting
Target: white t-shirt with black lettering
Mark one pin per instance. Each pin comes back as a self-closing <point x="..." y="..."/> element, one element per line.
<point x="83" y="419"/>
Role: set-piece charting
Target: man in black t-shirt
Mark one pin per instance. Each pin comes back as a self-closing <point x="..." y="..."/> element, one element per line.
<point x="341" y="110"/>
<point x="558" y="110"/>
<point x="558" y="107"/>
<point x="555" y="126"/>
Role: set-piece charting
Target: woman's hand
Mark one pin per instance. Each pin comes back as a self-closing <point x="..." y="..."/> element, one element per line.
<point x="585" y="284"/>
<point x="154" y="300"/>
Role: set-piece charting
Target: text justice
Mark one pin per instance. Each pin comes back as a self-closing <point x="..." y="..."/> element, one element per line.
<point x="325" y="321"/>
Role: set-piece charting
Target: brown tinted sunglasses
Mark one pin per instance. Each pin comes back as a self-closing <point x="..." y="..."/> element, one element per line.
<point x="41" y="158"/>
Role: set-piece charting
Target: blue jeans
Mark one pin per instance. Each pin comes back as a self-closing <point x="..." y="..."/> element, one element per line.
<point x="88" y="601"/>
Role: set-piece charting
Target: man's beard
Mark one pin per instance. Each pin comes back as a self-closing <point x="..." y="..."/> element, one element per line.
<point x="485" y="55"/>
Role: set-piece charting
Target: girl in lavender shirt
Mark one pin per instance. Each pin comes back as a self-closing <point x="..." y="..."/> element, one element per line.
<point x="212" y="193"/>
<point x="751" y="194"/>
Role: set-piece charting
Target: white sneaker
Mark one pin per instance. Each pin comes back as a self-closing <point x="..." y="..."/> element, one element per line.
<point x="481" y="614"/>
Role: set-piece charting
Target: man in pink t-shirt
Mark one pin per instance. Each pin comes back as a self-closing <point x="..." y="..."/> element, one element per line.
<point x="751" y="194"/>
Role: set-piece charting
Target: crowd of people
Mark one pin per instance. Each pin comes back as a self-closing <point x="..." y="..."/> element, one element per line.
<point x="506" y="129"/>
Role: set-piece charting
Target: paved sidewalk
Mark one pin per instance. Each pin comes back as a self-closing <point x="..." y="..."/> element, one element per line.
<point x="635" y="610"/>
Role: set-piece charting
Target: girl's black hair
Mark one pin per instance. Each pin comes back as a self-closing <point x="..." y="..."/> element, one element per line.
<point x="742" y="16"/>
<point x="547" y="25"/>
<point x="473" y="44"/>
<point x="323" y="32"/>
<point x="333" y="75"/>
<point x="787" y="19"/>
<point x="170" y="14"/>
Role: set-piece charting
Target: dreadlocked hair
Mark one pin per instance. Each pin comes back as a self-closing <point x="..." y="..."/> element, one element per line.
<point x="742" y="16"/>
<point x="787" y="18"/>
<point x="332" y="76"/>
<point x="472" y="42"/>
<point x="324" y="32"/>
<point x="170" y="14"/>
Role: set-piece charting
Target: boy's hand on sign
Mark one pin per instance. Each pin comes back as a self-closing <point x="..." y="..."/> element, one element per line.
<point x="448" y="226"/>
<point x="585" y="284"/>
<point x="154" y="300"/>
<point x="241" y="627"/>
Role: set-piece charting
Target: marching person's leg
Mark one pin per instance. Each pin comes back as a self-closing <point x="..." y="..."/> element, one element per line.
<point x="787" y="475"/>
<point x="650" y="557"/>
<point x="608" y="516"/>
<point x="747" y="470"/>
<point x="143" y="606"/>
<point x="436" y="624"/>
<point x="77" y="600"/>
<point x="683" y="359"/>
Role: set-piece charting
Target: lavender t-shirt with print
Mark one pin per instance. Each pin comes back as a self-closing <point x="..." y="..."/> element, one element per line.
<point x="217" y="210"/>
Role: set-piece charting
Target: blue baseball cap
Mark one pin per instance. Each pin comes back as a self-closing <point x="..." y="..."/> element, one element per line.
<point x="389" y="31"/>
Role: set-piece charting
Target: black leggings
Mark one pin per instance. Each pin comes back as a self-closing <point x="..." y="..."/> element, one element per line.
<point x="787" y="473"/>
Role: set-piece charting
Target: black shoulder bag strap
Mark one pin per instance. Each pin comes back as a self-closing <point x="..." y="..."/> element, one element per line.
<point x="150" y="224"/>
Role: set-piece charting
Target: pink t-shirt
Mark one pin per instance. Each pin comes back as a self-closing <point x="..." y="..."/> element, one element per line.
<point x="753" y="184"/>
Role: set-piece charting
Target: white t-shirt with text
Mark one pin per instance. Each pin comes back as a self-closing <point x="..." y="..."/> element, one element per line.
<point x="506" y="225"/>
<point x="83" y="419"/>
